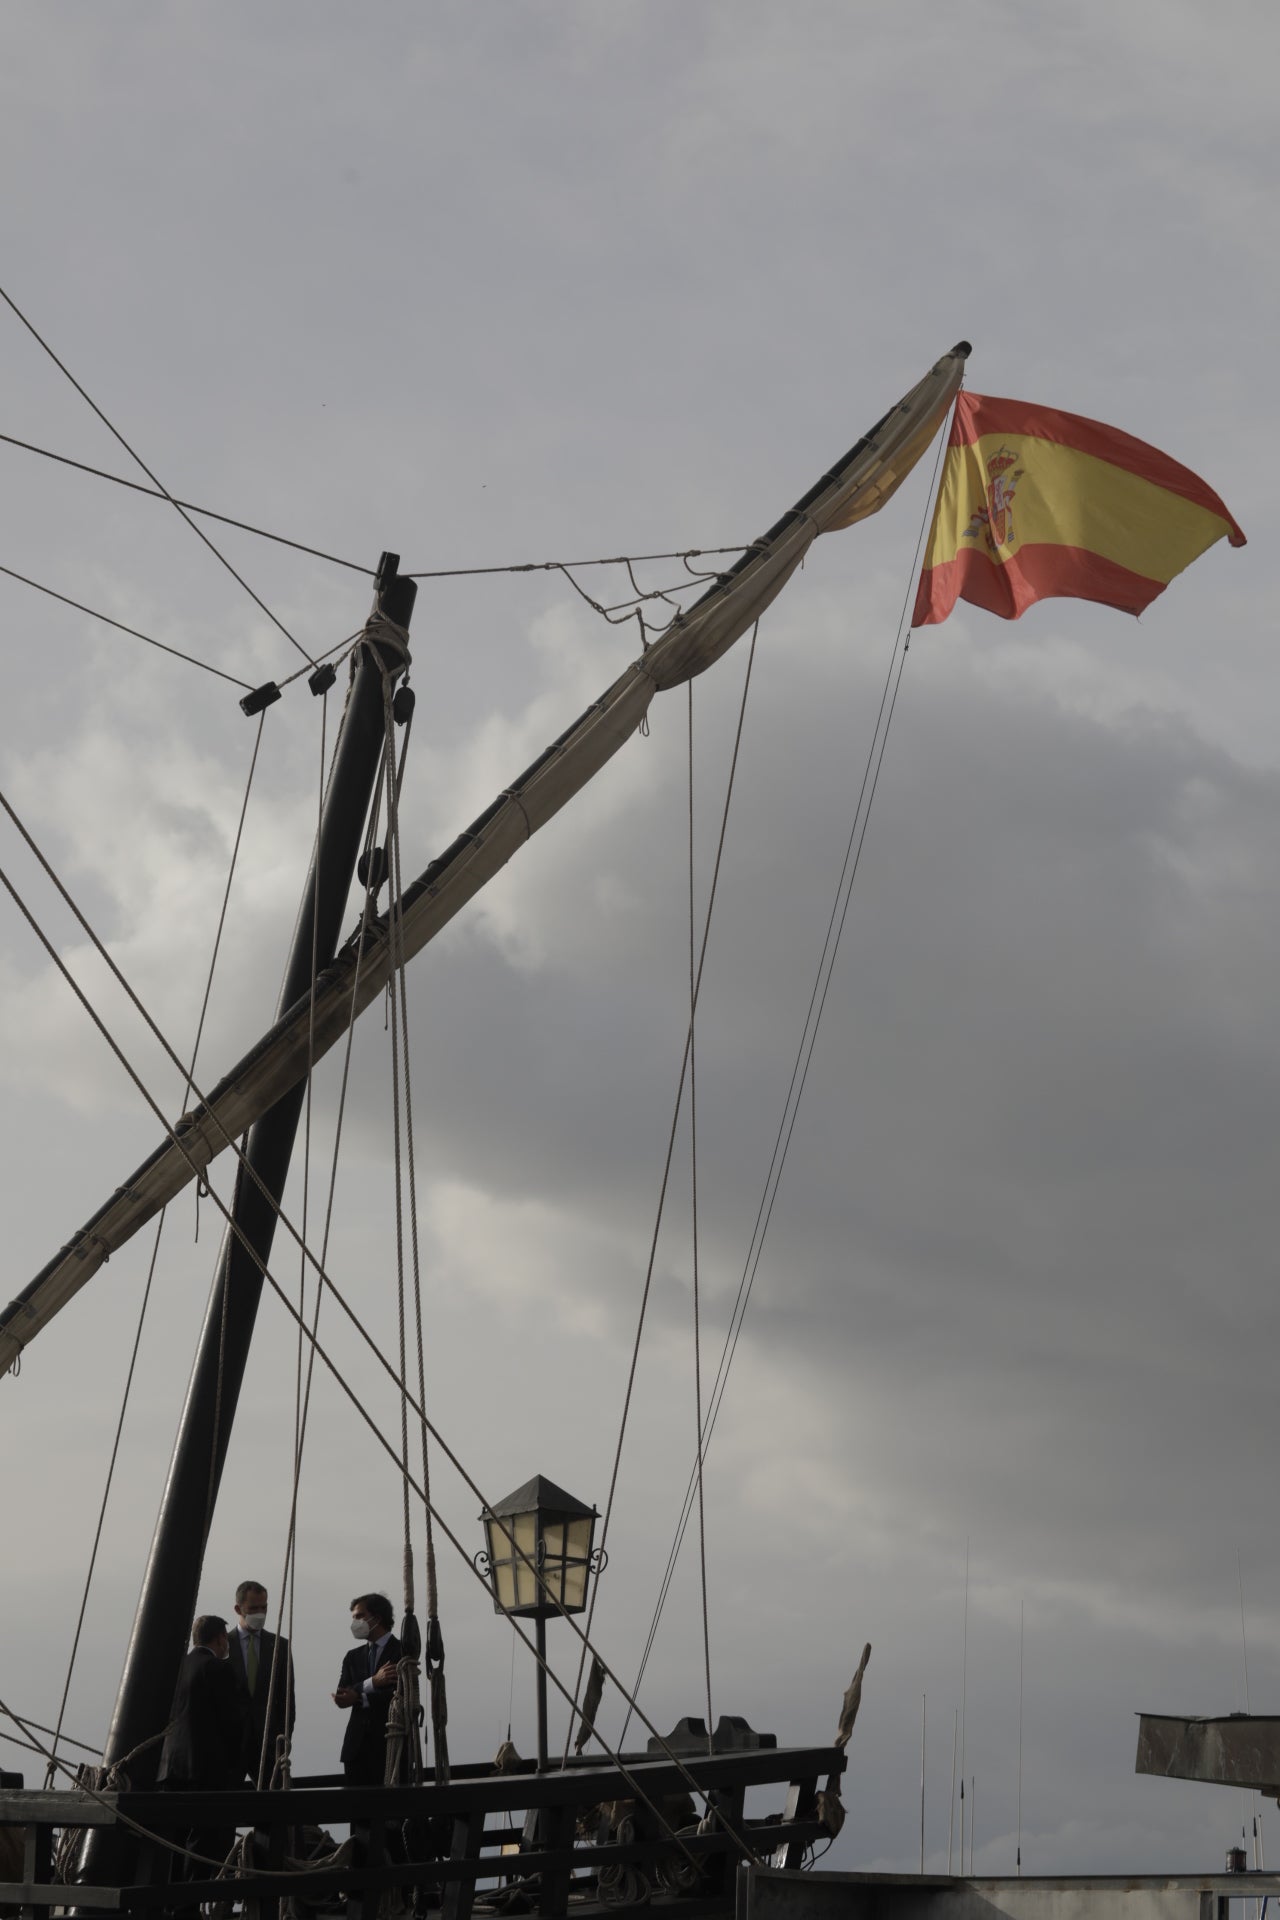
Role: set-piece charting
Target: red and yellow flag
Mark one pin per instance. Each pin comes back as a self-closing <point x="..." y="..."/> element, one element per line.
<point x="1035" y="504"/>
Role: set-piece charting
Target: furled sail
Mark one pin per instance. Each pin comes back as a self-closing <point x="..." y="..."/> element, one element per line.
<point x="852" y="490"/>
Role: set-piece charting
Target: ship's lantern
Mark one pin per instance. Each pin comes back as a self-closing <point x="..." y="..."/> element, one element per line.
<point x="540" y="1553"/>
<point x="538" y="1560"/>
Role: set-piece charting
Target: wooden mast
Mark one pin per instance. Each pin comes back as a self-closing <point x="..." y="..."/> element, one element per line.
<point x="167" y="1602"/>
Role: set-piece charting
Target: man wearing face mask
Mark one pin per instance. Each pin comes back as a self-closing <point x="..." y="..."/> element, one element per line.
<point x="263" y="1669"/>
<point x="204" y="1745"/>
<point x="367" y="1686"/>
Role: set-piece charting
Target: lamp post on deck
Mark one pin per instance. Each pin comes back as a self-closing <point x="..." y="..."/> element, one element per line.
<point x="538" y="1559"/>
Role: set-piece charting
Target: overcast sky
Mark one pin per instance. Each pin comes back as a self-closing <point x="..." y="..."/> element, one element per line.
<point x="543" y="281"/>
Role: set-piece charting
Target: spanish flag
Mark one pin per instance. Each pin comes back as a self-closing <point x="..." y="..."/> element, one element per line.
<point x="1036" y="504"/>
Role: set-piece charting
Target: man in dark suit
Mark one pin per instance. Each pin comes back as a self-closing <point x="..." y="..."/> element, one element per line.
<point x="204" y="1745"/>
<point x="263" y="1669"/>
<point x="366" y="1687"/>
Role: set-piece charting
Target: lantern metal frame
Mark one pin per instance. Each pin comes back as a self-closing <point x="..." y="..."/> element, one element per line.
<point x="539" y="1560"/>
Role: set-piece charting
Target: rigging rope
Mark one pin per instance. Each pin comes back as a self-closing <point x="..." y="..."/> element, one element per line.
<point x="401" y="1073"/>
<point x="206" y="513"/>
<point x="106" y="1492"/>
<point x="222" y="914"/>
<point x="764" y="1214"/>
<point x="79" y="1776"/>
<point x="804" y="1053"/>
<point x="693" y="1188"/>
<point x="666" y="1167"/>
<point x="288" y="1577"/>
<point x="289" y="1584"/>
<point x="623" y="610"/>
<point x="54" y="1734"/>
<point x="151" y="1269"/>
<point x="288" y="1580"/>
<point x="355" y="566"/>
<point x="106" y="619"/>
<point x="561" y="566"/>
<point x="403" y="1720"/>
<point x="116" y="434"/>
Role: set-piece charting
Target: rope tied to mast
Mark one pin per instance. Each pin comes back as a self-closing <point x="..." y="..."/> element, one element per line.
<point x="407" y="1713"/>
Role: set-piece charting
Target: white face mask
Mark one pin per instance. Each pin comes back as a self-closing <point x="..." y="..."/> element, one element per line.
<point x="361" y="1629"/>
<point x="255" y="1622"/>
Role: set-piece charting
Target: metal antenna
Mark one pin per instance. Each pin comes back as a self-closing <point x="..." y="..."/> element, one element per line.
<point x="964" y="1679"/>
<point x="924" y="1711"/>
<point x="1022" y="1636"/>
<point x="951" y="1822"/>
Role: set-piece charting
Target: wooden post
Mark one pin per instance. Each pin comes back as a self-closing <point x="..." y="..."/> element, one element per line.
<point x="468" y="1839"/>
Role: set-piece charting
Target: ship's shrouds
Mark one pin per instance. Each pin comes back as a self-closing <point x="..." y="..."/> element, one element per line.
<point x="1036" y="504"/>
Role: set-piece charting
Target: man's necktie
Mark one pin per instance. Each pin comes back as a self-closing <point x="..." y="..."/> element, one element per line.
<point x="251" y="1664"/>
<point x="373" y="1658"/>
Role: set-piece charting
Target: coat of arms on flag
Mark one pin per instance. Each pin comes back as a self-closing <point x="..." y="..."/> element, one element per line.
<point x="993" y="522"/>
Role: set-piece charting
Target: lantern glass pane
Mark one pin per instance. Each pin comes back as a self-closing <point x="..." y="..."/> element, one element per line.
<point x="525" y="1556"/>
<point x="580" y="1531"/>
<point x="579" y="1544"/>
<point x="504" y="1585"/>
<point x="553" y="1561"/>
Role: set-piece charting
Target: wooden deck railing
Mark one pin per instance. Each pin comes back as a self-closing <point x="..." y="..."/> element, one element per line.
<point x="589" y="1835"/>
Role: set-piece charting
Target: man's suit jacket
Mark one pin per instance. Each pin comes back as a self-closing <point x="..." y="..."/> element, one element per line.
<point x="258" y="1723"/>
<point x="364" y="1743"/>
<point x="205" y="1745"/>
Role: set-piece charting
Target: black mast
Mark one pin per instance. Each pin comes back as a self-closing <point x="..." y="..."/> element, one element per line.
<point x="167" y="1602"/>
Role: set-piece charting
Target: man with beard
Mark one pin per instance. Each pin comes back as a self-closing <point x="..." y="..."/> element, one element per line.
<point x="263" y="1670"/>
